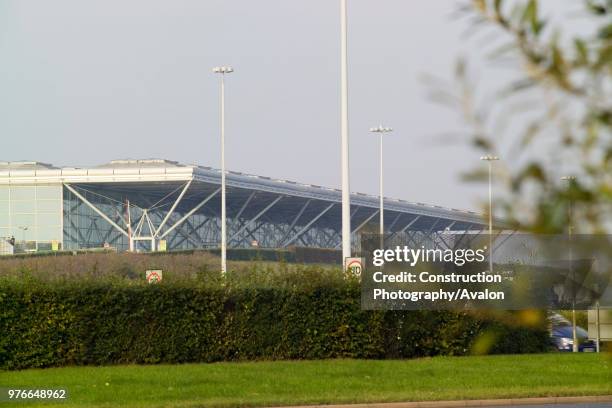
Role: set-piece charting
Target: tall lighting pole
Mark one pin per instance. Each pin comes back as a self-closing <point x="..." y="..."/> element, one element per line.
<point x="223" y="70"/>
<point x="346" y="194"/>
<point x="570" y="180"/>
<point x="381" y="130"/>
<point x="23" y="229"/>
<point x="490" y="159"/>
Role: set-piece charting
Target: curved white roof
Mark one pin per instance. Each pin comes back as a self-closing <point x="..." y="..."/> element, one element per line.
<point x="161" y="170"/>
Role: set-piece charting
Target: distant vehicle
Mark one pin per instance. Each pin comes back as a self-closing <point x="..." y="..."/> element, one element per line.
<point x="562" y="337"/>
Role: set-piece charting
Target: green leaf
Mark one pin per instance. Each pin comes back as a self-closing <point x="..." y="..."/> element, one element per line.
<point x="533" y="171"/>
<point x="481" y="5"/>
<point x="530" y="15"/>
<point x="498" y="5"/>
<point x="482" y="143"/>
<point x="581" y="51"/>
<point x="596" y="8"/>
<point x="604" y="59"/>
<point x="605" y="33"/>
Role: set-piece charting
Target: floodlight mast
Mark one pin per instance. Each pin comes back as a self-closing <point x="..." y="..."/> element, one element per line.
<point x="381" y="130"/>
<point x="222" y="71"/>
<point x="23" y="229"/>
<point x="344" y="135"/>
<point x="570" y="180"/>
<point x="490" y="159"/>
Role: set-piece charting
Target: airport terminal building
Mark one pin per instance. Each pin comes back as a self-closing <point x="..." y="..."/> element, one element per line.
<point x="154" y="204"/>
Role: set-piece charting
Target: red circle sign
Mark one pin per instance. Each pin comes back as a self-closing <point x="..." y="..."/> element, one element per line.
<point x="355" y="267"/>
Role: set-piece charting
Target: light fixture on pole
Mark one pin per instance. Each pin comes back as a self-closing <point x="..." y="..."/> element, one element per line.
<point x="344" y="135"/>
<point x="381" y="130"/>
<point x="570" y="180"/>
<point x="223" y="70"/>
<point x="490" y="159"/>
<point x="23" y="229"/>
<point x="597" y="324"/>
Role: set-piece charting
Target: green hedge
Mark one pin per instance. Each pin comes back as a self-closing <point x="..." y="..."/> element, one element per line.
<point x="87" y="322"/>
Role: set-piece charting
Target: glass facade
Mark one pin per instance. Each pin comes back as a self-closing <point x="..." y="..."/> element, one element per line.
<point x="32" y="214"/>
<point x="85" y="228"/>
<point x="93" y="215"/>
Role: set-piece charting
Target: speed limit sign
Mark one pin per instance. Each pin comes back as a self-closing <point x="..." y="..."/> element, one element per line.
<point x="354" y="266"/>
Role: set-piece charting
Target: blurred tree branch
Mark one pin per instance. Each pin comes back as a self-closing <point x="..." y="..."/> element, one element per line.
<point x="565" y="98"/>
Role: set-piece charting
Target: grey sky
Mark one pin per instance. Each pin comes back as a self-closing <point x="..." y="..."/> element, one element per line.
<point x="84" y="82"/>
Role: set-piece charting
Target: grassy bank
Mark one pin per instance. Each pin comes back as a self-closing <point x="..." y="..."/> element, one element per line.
<point x="175" y="265"/>
<point x="327" y="381"/>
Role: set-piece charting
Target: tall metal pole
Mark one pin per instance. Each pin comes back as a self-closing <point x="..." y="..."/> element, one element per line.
<point x="382" y="204"/>
<point x="490" y="159"/>
<point x="223" y="213"/>
<point x="381" y="130"/>
<point x="597" y="325"/>
<point x="23" y="235"/>
<point x="575" y="348"/>
<point x="569" y="231"/>
<point x="344" y="131"/>
<point x="223" y="70"/>
<point x="490" y="217"/>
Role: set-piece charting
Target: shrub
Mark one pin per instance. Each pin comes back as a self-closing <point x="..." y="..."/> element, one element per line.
<point x="308" y="315"/>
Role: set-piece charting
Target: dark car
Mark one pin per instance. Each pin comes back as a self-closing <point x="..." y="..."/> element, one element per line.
<point x="563" y="339"/>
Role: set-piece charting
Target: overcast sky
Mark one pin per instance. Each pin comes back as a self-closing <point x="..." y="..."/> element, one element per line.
<point x="85" y="82"/>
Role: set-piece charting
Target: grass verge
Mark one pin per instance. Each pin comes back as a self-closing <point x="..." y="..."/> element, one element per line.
<point x="322" y="382"/>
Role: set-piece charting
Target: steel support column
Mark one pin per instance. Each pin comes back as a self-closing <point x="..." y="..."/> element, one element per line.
<point x="305" y="228"/>
<point x="190" y="213"/>
<point x="95" y="209"/>
<point x="252" y="220"/>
